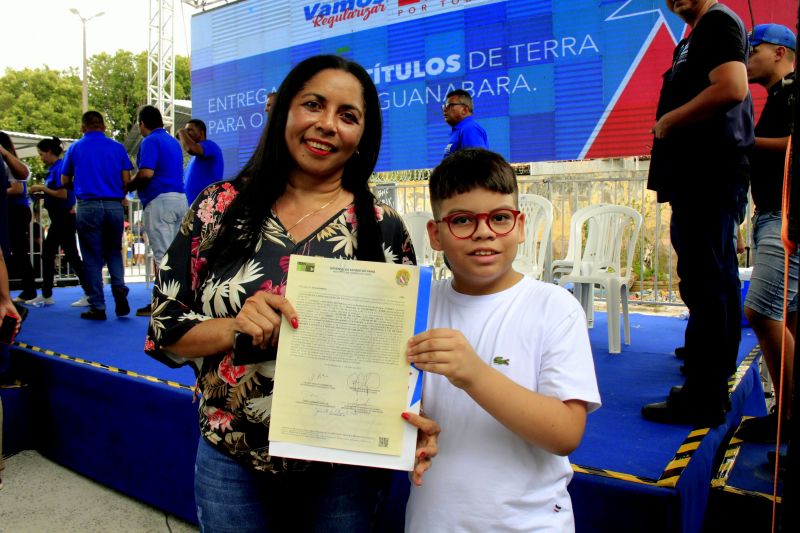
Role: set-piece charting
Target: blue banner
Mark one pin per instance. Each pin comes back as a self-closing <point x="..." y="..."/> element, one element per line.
<point x="545" y="76"/>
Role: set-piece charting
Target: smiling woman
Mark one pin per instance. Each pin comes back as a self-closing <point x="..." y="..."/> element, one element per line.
<point x="304" y="191"/>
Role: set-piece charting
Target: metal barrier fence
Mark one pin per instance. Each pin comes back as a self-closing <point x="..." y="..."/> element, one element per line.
<point x="655" y="280"/>
<point x="572" y="188"/>
<point x="135" y="251"/>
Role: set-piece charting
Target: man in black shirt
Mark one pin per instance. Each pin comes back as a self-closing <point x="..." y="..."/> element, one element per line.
<point x="699" y="165"/>
<point x="771" y="65"/>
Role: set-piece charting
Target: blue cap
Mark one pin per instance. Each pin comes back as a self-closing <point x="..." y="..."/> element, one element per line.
<point x="773" y="34"/>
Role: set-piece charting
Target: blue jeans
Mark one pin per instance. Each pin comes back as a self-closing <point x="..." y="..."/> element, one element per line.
<point x="99" y="224"/>
<point x="162" y="221"/>
<point x="765" y="295"/>
<point x="232" y="498"/>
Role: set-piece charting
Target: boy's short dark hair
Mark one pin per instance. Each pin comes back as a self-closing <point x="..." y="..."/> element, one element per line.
<point x="468" y="169"/>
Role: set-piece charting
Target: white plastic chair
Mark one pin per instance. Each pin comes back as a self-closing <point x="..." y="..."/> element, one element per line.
<point x="598" y="261"/>
<point x="416" y="224"/>
<point x="532" y="253"/>
<point x="563" y="266"/>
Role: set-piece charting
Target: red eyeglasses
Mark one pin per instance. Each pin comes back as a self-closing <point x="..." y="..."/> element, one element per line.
<point x="463" y="225"/>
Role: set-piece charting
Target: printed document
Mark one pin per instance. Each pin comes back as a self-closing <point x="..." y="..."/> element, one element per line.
<point x="341" y="378"/>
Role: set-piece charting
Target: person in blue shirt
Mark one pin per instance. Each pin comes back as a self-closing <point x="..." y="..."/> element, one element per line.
<point x="99" y="170"/>
<point x="466" y="132"/>
<point x="60" y="204"/>
<point x="159" y="183"/>
<point x="206" y="165"/>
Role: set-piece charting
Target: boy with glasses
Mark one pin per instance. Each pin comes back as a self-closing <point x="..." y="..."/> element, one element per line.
<point x="510" y="376"/>
<point x="466" y="133"/>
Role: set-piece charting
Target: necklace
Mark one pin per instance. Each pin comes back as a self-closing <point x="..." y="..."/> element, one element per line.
<point x="315" y="211"/>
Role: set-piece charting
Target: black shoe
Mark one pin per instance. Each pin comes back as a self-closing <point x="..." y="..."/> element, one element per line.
<point x="681" y="408"/>
<point x="763" y="429"/>
<point x="144" y="311"/>
<point x="678" y="389"/>
<point x="94" y="314"/>
<point x="121" y="307"/>
<point x="664" y="413"/>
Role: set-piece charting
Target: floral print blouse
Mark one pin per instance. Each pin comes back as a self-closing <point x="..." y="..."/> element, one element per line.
<point x="236" y="401"/>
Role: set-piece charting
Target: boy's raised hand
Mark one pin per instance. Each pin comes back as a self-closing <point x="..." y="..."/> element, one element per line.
<point x="446" y="352"/>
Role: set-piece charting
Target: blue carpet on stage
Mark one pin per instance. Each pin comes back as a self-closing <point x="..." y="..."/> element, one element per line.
<point x="105" y="409"/>
<point x="117" y="342"/>
<point x="642" y="373"/>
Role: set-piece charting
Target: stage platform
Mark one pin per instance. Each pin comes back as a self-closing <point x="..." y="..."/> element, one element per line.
<point x="94" y="402"/>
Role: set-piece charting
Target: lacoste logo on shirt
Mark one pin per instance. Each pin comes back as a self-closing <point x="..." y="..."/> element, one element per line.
<point x="500" y="361"/>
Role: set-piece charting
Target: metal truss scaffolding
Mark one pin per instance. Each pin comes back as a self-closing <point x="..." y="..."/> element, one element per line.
<point x="205" y="4"/>
<point x="161" y="61"/>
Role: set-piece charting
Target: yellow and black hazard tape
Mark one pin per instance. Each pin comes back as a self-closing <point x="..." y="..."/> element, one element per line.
<point x="95" y="364"/>
<point x="755" y="494"/>
<point x="614" y="475"/>
<point x="743" y="368"/>
<point x="728" y="461"/>
<point x="720" y="480"/>
<point x="672" y="473"/>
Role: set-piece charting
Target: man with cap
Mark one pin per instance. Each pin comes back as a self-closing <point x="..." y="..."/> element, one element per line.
<point x="771" y="65"/>
<point x="703" y="129"/>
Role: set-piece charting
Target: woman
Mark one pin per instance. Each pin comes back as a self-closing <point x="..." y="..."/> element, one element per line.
<point x="304" y="191"/>
<point x="60" y="204"/>
<point x="19" y="219"/>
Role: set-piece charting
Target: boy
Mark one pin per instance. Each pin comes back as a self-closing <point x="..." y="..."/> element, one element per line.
<point x="512" y="391"/>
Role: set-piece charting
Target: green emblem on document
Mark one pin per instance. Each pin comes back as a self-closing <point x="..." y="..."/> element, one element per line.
<point x="305" y="267"/>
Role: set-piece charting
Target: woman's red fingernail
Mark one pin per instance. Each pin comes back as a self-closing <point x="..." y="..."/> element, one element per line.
<point x="422" y="455"/>
<point x="405" y="415"/>
<point x="294" y="323"/>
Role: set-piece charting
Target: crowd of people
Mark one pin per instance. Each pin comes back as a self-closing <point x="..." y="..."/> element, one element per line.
<point x="84" y="192"/>
<point x="510" y="420"/>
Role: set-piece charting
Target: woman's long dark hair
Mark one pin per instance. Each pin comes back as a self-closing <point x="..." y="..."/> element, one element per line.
<point x="266" y="174"/>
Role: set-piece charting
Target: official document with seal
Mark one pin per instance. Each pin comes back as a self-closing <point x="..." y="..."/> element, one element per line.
<point x="341" y="378"/>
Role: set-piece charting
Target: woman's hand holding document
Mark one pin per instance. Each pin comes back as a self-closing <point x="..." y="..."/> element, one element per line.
<point x="341" y="377"/>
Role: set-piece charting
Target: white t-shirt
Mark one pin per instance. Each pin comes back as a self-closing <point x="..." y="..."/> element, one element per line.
<point x="485" y="477"/>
